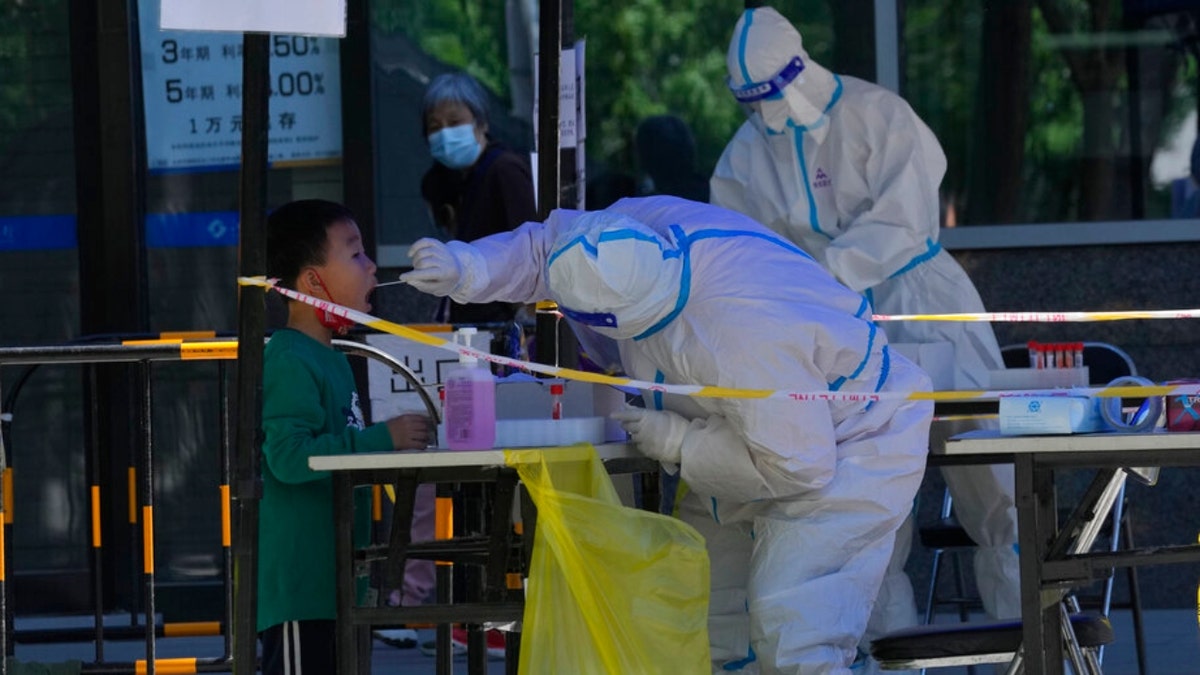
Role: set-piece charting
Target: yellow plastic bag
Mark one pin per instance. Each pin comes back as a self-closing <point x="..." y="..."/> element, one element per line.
<point x="611" y="589"/>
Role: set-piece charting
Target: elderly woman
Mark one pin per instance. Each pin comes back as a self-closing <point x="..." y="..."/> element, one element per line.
<point x="477" y="186"/>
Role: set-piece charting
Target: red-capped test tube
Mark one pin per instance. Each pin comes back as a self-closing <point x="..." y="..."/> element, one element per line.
<point x="1034" y="353"/>
<point x="556" y="391"/>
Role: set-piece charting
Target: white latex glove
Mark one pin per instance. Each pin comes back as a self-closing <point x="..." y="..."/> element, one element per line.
<point x="658" y="434"/>
<point x="436" y="269"/>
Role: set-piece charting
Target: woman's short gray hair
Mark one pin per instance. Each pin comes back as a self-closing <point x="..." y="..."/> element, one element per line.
<point x="456" y="88"/>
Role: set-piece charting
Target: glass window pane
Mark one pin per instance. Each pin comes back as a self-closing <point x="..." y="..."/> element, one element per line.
<point x="39" y="270"/>
<point x="413" y="41"/>
<point x="1063" y="111"/>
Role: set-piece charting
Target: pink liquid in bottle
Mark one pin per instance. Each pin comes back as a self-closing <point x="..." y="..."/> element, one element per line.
<point x="470" y="408"/>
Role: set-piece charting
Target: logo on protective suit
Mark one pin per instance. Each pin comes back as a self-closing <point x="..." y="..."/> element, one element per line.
<point x="822" y="179"/>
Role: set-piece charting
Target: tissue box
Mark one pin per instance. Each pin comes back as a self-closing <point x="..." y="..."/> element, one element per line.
<point x="1183" y="411"/>
<point x="1035" y="415"/>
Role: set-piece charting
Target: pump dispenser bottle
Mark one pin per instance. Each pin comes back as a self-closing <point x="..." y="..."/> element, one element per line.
<point x="470" y="408"/>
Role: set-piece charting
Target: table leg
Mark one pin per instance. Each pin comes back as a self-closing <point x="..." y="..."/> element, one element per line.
<point x="400" y="535"/>
<point x="443" y="657"/>
<point x="343" y="512"/>
<point x="1037" y="520"/>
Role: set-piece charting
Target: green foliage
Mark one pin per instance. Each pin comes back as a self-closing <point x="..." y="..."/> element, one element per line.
<point x="1056" y="106"/>
<point x="941" y="43"/>
<point x="653" y="57"/>
<point x="644" y="57"/>
<point x="468" y="34"/>
<point x="28" y="62"/>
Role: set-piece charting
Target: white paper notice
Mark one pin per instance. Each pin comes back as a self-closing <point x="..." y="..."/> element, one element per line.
<point x="296" y="17"/>
<point x="567" y="112"/>
<point x="192" y="84"/>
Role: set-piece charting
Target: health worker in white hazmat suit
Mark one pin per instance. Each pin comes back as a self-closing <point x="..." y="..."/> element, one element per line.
<point x="846" y="170"/>
<point x="798" y="500"/>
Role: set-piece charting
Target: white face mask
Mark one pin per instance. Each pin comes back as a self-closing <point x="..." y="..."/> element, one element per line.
<point x="775" y="114"/>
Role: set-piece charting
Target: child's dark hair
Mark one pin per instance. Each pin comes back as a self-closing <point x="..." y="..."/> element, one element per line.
<point x="296" y="236"/>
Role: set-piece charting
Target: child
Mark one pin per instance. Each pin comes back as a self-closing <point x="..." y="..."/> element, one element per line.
<point x="311" y="407"/>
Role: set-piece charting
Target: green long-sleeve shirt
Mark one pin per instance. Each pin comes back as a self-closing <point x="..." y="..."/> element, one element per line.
<point x="310" y="407"/>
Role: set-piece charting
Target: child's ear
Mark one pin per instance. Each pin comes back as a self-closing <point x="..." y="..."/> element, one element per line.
<point x="308" y="281"/>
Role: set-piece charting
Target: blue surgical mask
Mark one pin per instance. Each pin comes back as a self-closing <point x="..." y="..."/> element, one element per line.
<point x="455" y="147"/>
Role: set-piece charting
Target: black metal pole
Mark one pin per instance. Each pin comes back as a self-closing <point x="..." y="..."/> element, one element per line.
<point x="6" y="643"/>
<point x="549" y="38"/>
<point x="146" y="487"/>
<point x="247" y="485"/>
<point x="568" y="173"/>
<point x="226" y="523"/>
<point x="555" y="346"/>
<point x="95" y="473"/>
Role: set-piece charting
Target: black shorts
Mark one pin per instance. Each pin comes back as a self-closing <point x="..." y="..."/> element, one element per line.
<point x="299" y="648"/>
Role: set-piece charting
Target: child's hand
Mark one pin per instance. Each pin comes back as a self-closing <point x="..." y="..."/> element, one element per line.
<point x="410" y="431"/>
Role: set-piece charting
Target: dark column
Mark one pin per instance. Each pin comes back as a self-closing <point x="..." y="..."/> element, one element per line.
<point x="247" y="482"/>
<point x="110" y="209"/>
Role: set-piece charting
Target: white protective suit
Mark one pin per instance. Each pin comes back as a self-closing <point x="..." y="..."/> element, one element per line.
<point x="798" y="501"/>
<point x="846" y="170"/>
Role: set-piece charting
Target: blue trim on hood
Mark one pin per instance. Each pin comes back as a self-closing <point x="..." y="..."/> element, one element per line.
<point x="717" y="234"/>
<point x="608" y="235"/>
<point x="685" y="282"/>
<point x="748" y="15"/>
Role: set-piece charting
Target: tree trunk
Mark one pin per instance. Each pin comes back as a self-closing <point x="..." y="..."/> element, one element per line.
<point x="1002" y="100"/>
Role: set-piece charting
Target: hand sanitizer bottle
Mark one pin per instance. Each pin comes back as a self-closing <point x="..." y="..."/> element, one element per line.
<point x="470" y="411"/>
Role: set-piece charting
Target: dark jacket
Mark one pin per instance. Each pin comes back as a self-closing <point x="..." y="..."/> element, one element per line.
<point x="494" y="195"/>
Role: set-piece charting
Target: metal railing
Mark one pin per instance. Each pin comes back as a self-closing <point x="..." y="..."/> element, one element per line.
<point x="140" y="354"/>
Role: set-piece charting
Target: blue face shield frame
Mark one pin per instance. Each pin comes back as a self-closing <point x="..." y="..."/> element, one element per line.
<point x="772" y="88"/>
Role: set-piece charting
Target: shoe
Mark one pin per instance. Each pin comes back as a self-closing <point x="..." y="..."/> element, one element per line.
<point x="458" y="643"/>
<point x="458" y="649"/>
<point x="400" y="638"/>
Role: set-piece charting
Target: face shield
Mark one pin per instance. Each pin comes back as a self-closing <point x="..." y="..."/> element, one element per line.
<point x="766" y="99"/>
<point x="770" y="72"/>
<point x="753" y="92"/>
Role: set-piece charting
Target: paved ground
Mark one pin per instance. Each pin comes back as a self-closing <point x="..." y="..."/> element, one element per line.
<point x="1172" y="643"/>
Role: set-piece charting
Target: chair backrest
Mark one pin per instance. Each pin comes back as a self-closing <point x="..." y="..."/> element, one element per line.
<point x="1106" y="362"/>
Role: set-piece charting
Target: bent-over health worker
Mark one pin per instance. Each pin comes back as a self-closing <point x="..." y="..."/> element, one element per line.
<point x="847" y="171"/>
<point x="798" y="501"/>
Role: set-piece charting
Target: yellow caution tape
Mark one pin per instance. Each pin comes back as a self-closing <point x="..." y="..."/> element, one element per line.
<point x="1044" y="317"/>
<point x="700" y="390"/>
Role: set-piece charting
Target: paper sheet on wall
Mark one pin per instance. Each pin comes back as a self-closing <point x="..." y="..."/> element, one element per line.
<point x="298" y="17"/>
<point x="192" y="96"/>
<point x="571" y="119"/>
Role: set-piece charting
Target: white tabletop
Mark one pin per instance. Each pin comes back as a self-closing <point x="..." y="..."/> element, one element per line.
<point x="989" y="441"/>
<point x="440" y="457"/>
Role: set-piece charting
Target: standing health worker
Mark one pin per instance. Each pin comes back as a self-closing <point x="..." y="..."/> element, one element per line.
<point x="847" y="170"/>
